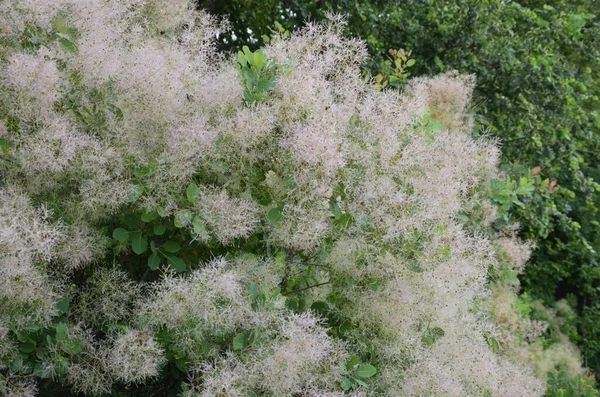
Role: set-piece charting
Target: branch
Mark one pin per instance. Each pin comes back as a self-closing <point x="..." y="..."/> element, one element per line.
<point x="309" y="287"/>
<point x="9" y="160"/>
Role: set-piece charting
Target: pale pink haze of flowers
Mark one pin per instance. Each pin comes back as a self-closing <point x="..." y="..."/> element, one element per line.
<point x="323" y="139"/>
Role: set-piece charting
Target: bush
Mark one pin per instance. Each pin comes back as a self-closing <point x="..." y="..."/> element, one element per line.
<point x="537" y="92"/>
<point x="172" y="220"/>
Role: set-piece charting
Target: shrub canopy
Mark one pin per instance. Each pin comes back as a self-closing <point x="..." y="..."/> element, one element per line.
<point x="537" y="70"/>
<point x="264" y="225"/>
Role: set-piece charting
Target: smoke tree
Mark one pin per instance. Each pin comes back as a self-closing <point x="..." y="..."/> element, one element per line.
<point x="174" y="221"/>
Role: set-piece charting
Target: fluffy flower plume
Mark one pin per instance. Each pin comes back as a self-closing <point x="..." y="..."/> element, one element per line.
<point x="268" y="224"/>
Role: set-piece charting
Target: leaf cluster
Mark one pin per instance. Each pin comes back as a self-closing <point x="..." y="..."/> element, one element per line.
<point x="257" y="73"/>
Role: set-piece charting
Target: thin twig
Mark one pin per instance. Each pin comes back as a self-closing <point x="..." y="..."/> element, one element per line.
<point x="8" y="160"/>
<point x="309" y="287"/>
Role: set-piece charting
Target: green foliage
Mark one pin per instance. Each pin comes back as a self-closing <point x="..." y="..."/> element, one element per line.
<point x="561" y="385"/>
<point x="35" y="37"/>
<point x="523" y="305"/>
<point x="432" y="335"/>
<point x="93" y="107"/>
<point x="266" y="298"/>
<point x="148" y="235"/>
<point x="44" y="351"/>
<point x="257" y="73"/>
<point x="524" y="199"/>
<point x="395" y="71"/>
<point x="355" y="373"/>
<point x="589" y="332"/>
<point x="192" y="193"/>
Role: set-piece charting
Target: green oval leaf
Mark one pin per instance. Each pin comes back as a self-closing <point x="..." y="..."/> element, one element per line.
<point x="159" y="229"/>
<point x="68" y="45"/>
<point x="139" y="243"/>
<point x="27" y="347"/>
<point x="274" y="214"/>
<point x="153" y="262"/>
<point x="162" y="212"/>
<point x="72" y="346"/>
<point x="21" y="336"/>
<point x="149" y="217"/>
<point x="61" y="332"/>
<point x="135" y="192"/>
<point x="434" y="126"/>
<point x="410" y="62"/>
<point x="360" y="382"/>
<point x="59" y="24"/>
<point x="432" y="336"/>
<point x="193" y="193"/>
<point x="240" y="341"/>
<point x="199" y="227"/>
<point x="176" y="263"/>
<point x="132" y="221"/>
<point x="242" y="58"/>
<point x="345" y="220"/>
<point x="352" y="363"/>
<point x="120" y="234"/>
<point x="5" y="146"/>
<point x="347" y="384"/>
<point x="335" y="209"/>
<point x="366" y="371"/>
<point x="31" y="328"/>
<point x="170" y="246"/>
<point x="259" y="60"/>
<point x="262" y="196"/>
<point x="247" y="53"/>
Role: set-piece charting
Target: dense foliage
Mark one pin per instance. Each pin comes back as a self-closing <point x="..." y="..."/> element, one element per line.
<point x="177" y="221"/>
<point x="537" y="68"/>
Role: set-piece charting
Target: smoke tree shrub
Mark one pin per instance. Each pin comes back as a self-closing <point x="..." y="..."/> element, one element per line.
<point x="537" y="73"/>
<point x="173" y="220"/>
